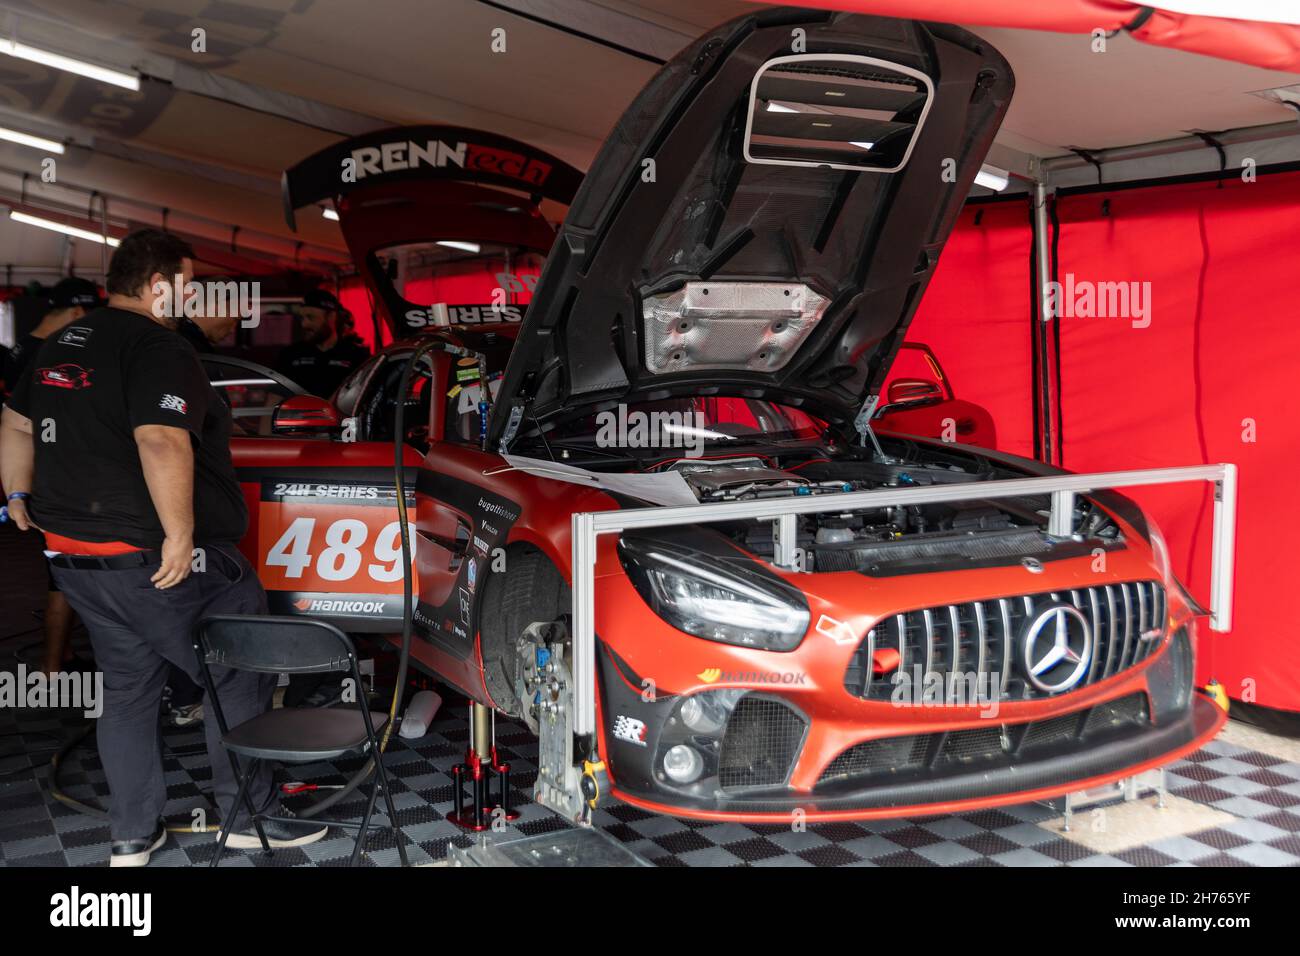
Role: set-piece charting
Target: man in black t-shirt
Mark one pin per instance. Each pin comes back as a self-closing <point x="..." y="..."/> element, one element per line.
<point x="117" y="447"/>
<point x="325" y="356"/>
<point x="70" y="299"/>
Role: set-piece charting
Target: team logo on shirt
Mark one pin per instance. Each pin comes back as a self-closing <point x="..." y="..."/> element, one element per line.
<point x="173" y="403"/>
<point x="77" y="335"/>
<point x="66" y="375"/>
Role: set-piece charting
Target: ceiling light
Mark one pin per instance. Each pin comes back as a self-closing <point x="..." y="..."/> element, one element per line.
<point x="102" y="73"/>
<point x="990" y="177"/>
<point x="463" y="246"/>
<point x="329" y="213"/>
<point x="50" y="224"/>
<point x="26" y="139"/>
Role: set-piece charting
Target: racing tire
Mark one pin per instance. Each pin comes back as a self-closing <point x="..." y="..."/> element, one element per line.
<point x="530" y="589"/>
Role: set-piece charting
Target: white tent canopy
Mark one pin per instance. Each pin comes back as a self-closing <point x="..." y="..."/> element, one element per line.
<point x="208" y="133"/>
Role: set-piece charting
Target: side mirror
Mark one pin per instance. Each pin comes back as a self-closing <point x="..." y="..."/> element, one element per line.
<point x="305" y="413"/>
<point x="914" y="392"/>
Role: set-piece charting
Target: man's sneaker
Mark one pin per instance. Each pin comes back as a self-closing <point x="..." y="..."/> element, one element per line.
<point x="186" y="716"/>
<point x="279" y="835"/>
<point x="137" y="852"/>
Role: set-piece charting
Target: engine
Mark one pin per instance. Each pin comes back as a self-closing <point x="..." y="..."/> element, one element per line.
<point x="740" y="479"/>
<point x="895" y="539"/>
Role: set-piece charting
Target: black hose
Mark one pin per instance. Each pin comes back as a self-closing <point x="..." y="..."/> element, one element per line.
<point x="408" y="598"/>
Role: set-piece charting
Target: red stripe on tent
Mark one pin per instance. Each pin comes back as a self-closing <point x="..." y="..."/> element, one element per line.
<point x="1274" y="46"/>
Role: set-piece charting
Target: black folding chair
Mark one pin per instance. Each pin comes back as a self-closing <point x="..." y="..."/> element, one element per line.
<point x="291" y="645"/>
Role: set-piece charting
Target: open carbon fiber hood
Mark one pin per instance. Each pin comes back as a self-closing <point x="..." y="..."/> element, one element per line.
<point x="697" y="258"/>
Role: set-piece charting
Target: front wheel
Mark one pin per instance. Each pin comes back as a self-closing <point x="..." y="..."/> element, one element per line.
<point x="530" y="589"/>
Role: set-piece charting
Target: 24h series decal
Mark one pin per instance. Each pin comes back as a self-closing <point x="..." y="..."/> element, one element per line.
<point x="330" y="546"/>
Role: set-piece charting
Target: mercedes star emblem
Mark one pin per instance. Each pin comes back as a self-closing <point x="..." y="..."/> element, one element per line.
<point x="1058" y="648"/>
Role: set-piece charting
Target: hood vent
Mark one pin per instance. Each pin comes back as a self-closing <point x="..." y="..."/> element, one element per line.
<point x="836" y="110"/>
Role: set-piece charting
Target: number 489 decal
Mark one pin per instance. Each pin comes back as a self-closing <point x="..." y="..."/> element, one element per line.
<point x="344" y="553"/>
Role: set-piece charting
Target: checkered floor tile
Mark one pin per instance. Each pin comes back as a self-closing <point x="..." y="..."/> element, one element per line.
<point x="1262" y="793"/>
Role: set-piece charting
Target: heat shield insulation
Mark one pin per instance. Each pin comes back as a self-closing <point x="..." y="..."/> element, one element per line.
<point x="748" y="326"/>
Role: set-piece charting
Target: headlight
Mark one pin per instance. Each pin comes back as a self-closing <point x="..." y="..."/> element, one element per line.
<point x="714" y="599"/>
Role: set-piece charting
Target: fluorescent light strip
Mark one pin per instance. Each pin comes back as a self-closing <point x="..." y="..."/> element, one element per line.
<point x="473" y="247"/>
<point x="990" y="177"/>
<point x="102" y="73"/>
<point x="35" y="142"/>
<point x="53" y="226"/>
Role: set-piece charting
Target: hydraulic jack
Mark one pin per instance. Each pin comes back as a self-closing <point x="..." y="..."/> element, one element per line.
<point x="482" y="763"/>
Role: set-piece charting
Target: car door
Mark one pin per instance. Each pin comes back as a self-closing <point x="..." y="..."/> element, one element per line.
<point x="323" y="531"/>
<point x="252" y="391"/>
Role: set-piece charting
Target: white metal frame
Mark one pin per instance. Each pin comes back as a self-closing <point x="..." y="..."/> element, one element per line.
<point x="588" y="527"/>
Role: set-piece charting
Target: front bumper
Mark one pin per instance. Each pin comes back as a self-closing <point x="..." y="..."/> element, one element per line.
<point x="1150" y="721"/>
<point x="1021" y="782"/>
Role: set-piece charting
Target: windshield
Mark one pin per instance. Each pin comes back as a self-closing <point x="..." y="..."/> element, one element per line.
<point x="690" y="423"/>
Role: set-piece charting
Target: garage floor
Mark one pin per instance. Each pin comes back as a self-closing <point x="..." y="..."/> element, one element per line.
<point x="1234" y="803"/>
<point x="1230" y="806"/>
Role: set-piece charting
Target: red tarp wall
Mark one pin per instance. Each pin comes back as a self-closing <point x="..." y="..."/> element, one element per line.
<point x="1211" y="378"/>
<point x="976" y="315"/>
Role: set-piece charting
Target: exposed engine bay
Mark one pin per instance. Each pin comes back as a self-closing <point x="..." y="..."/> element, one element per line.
<point x="897" y="539"/>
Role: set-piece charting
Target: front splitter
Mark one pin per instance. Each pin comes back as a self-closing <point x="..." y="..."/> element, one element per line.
<point x="1019" y="783"/>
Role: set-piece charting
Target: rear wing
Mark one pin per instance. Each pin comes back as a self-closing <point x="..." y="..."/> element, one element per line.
<point x="426" y="154"/>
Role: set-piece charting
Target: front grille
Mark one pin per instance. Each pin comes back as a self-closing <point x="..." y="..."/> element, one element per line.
<point x="961" y="751"/>
<point x="901" y="753"/>
<point x="760" y="744"/>
<point x="982" y="641"/>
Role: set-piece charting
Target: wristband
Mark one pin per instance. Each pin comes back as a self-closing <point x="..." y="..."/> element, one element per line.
<point x="4" y="511"/>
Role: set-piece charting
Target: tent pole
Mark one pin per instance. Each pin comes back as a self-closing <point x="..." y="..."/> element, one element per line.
<point x="1181" y="144"/>
<point x="1043" y="275"/>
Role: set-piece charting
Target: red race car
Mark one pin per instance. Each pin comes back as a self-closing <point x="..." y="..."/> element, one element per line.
<point x="711" y="330"/>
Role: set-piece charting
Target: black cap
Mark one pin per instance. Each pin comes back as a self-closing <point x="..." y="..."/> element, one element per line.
<point x="71" y="292"/>
<point x="321" y="299"/>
